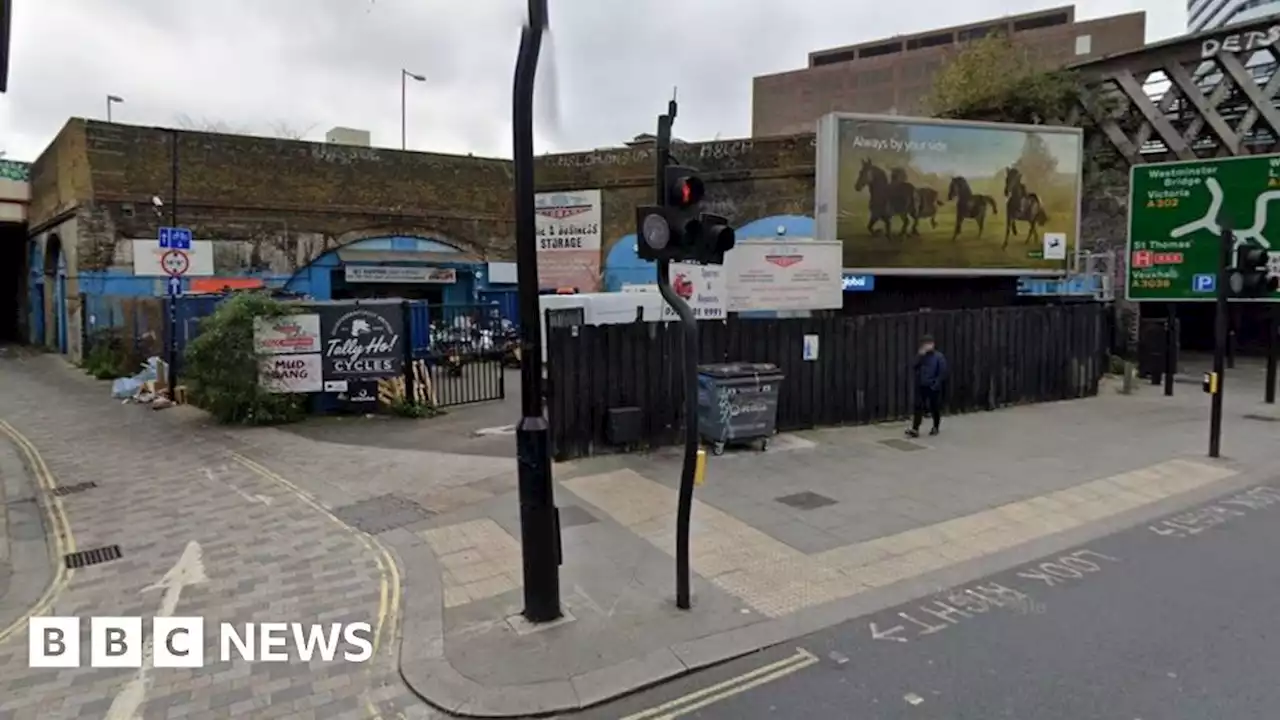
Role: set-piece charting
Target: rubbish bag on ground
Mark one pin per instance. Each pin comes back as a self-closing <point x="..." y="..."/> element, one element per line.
<point x="128" y="387"/>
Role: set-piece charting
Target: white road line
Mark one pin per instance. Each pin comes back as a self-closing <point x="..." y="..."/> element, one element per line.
<point x="189" y="570"/>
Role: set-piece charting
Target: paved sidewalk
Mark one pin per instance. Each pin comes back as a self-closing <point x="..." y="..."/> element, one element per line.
<point x="825" y="526"/>
<point x="255" y="549"/>
<point x="25" y="567"/>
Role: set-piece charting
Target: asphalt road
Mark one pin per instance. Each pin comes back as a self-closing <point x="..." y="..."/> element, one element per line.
<point x="1176" y="620"/>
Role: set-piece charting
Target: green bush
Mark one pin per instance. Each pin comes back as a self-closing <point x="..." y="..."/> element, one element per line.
<point x="410" y="409"/>
<point x="110" y="357"/>
<point x="220" y="368"/>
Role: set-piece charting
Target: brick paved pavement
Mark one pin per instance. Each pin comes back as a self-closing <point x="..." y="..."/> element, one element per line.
<point x="269" y="555"/>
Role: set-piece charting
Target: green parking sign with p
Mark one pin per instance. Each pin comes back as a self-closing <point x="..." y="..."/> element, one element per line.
<point x="1174" y="214"/>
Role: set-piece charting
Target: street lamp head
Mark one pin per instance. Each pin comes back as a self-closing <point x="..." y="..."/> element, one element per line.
<point x="114" y="99"/>
<point x="415" y="76"/>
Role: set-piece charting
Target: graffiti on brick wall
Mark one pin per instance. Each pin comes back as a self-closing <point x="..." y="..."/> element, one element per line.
<point x="726" y="150"/>
<point x="14" y="170"/>
<point x="344" y="154"/>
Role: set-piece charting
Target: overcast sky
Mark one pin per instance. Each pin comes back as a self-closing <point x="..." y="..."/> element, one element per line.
<point x="310" y="65"/>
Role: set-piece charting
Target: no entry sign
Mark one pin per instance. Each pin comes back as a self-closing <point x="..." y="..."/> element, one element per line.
<point x="175" y="262"/>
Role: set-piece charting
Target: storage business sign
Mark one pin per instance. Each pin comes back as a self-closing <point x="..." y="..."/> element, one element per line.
<point x="1174" y="214"/>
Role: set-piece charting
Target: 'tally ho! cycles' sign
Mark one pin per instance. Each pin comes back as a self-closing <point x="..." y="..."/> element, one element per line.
<point x="362" y="341"/>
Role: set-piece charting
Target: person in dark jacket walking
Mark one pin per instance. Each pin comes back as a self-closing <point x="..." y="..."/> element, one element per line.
<point x="930" y="371"/>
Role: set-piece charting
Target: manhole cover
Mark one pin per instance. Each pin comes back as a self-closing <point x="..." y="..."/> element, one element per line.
<point x="805" y="500"/>
<point x="903" y="445"/>
<point x="575" y="516"/>
<point x="382" y="513"/>
<point x="1263" y="418"/>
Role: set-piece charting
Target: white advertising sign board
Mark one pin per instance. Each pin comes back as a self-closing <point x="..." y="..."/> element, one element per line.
<point x="703" y="287"/>
<point x="288" y="335"/>
<point x="775" y="275"/>
<point x="148" y="259"/>
<point x="291" y="373"/>
<point x="569" y="233"/>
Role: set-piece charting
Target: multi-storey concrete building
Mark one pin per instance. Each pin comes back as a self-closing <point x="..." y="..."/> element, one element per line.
<point x="1212" y="14"/>
<point x="894" y="75"/>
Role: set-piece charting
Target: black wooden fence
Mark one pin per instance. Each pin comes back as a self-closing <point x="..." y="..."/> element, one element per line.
<point x="997" y="357"/>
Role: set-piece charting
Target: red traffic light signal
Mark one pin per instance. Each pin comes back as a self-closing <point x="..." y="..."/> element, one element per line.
<point x="684" y="188"/>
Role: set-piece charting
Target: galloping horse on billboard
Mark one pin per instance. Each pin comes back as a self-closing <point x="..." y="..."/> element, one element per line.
<point x="926" y="208"/>
<point x="886" y="200"/>
<point x="1022" y="205"/>
<point x="969" y="206"/>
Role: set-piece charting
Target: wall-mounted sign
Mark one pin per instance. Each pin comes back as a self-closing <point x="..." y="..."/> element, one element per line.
<point x="503" y="273"/>
<point x="569" y="225"/>
<point x="795" y="274"/>
<point x="858" y="283"/>
<point x="703" y="287"/>
<point x="286" y="335"/>
<point x="399" y="274"/>
<point x="363" y="341"/>
<point x="149" y="259"/>
<point x="291" y="373"/>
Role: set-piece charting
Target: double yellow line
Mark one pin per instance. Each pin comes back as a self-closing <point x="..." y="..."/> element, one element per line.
<point x="733" y="686"/>
<point x="64" y="540"/>
<point x="386" y="624"/>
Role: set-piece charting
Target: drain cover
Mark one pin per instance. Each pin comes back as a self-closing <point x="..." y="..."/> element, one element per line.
<point x="64" y="490"/>
<point x="1264" y="418"/>
<point x="903" y="445"/>
<point x="382" y="513"/>
<point x="95" y="556"/>
<point x="805" y="500"/>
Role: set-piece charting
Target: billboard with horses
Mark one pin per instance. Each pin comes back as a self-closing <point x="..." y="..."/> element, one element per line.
<point x="914" y="195"/>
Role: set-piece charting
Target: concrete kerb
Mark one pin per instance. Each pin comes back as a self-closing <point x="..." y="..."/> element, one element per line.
<point x="425" y="668"/>
<point x="26" y="535"/>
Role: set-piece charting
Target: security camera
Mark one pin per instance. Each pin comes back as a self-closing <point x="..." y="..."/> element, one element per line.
<point x="155" y="200"/>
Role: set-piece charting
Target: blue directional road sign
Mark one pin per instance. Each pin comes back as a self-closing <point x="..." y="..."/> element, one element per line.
<point x="1204" y="283"/>
<point x="175" y="238"/>
<point x="175" y="286"/>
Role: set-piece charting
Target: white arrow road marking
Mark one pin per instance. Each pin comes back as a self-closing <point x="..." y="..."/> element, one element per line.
<point x="189" y="570"/>
<point x="887" y="633"/>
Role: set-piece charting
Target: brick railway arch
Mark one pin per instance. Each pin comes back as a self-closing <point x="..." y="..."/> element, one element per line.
<point x="54" y="300"/>
<point x="465" y="246"/>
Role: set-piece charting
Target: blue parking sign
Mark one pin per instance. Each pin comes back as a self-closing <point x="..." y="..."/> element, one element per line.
<point x="1204" y="283"/>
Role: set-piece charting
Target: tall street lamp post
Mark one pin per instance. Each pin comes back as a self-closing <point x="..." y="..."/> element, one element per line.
<point x="405" y="75"/>
<point x="112" y="100"/>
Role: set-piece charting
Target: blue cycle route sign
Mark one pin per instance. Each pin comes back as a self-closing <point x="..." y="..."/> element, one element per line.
<point x="174" y="238"/>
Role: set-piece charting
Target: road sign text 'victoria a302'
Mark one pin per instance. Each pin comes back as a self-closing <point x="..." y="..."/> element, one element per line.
<point x="1175" y="211"/>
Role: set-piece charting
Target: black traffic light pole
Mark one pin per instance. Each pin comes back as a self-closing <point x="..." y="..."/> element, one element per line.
<point x="1170" y="347"/>
<point x="539" y="519"/>
<point x="172" y="350"/>
<point x="684" y="510"/>
<point x="1269" y="395"/>
<point x="1220" y="341"/>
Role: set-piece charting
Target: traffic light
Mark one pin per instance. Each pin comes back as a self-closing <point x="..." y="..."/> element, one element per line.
<point x="1250" y="276"/>
<point x="677" y="230"/>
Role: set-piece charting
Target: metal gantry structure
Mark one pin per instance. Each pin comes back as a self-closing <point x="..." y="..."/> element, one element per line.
<point x="1200" y="96"/>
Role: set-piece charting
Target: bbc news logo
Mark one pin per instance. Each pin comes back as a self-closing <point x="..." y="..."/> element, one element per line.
<point x="179" y="642"/>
